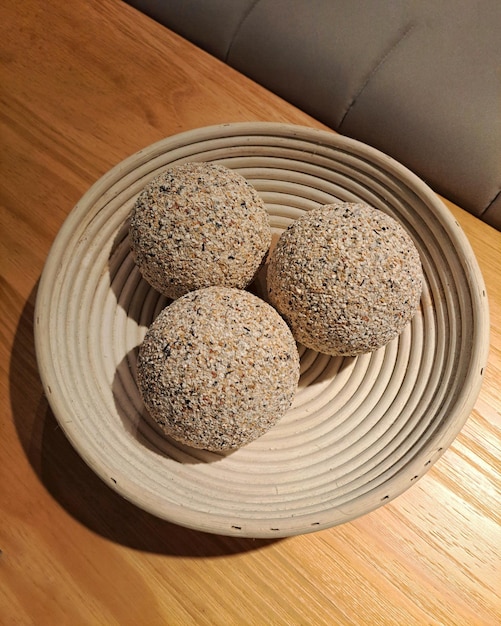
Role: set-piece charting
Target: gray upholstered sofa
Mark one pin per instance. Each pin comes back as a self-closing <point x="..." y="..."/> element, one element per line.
<point x="418" y="79"/>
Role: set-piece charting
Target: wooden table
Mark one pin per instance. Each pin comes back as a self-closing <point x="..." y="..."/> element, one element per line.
<point x="85" y="84"/>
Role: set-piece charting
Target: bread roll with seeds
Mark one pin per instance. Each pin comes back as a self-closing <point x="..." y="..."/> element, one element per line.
<point x="196" y="225"/>
<point x="346" y="277"/>
<point x="218" y="368"/>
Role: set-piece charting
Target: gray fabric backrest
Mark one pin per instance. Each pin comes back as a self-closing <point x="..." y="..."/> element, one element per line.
<point x="418" y="79"/>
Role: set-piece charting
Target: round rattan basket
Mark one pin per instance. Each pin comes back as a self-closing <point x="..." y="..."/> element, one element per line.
<point x="361" y="430"/>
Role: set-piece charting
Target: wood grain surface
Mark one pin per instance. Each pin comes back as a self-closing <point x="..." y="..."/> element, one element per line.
<point x="84" y="85"/>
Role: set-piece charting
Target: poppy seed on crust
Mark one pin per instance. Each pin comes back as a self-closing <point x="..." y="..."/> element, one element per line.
<point x="218" y="368"/>
<point x="346" y="277"/>
<point x="196" y="225"/>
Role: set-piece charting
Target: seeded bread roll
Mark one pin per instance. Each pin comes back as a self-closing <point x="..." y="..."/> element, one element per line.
<point x="218" y="368"/>
<point x="197" y="225"/>
<point x="346" y="277"/>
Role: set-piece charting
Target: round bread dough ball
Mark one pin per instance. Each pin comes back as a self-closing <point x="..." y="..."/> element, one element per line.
<point x="197" y="225"/>
<point x="218" y="368"/>
<point x="346" y="277"/>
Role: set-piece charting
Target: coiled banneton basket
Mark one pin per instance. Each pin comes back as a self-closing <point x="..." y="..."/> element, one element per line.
<point x="361" y="430"/>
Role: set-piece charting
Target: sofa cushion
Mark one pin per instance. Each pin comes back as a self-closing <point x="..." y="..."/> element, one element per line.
<point x="420" y="80"/>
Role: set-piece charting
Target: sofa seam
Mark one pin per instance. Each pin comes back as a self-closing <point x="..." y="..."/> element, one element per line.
<point x="238" y="29"/>
<point x="491" y="202"/>
<point x="376" y="68"/>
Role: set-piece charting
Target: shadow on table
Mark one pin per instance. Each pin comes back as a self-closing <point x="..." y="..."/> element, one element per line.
<point x="76" y="487"/>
